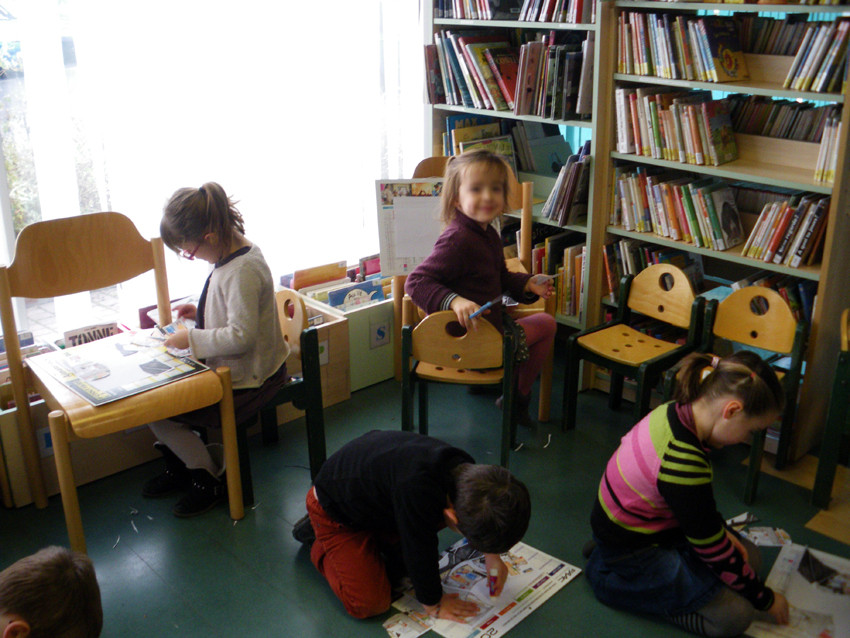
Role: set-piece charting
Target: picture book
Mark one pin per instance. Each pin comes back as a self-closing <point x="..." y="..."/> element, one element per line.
<point x="119" y="366"/>
<point x="462" y="120"/>
<point x="727" y="213"/>
<point x="724" y="45"/>
<point x="504" y="64"/>
<point x="718" y="126"/>
<point x="434" y="76"/>
<point x="549" y="154"/>
<point x="408" y="222"/>
<point x="356" y="294"/>
<point x="470" y="133"/>
<point x="502" y="146"/>
<point x="477" y="54"/>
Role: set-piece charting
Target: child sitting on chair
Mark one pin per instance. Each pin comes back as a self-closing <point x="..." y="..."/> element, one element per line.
<point x="376" y="507"/>
<point x="236" y="326"/>
<point x="661" y="545"/>
<point x="50" y="594"/>
<point x="467" y="266"/>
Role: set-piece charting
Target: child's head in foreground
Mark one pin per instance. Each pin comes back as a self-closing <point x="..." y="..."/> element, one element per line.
<point x="492" y="506"/>
<point x="460" y="167"/>
<point x="740" y="395"/>
<point x="50" y="594"/>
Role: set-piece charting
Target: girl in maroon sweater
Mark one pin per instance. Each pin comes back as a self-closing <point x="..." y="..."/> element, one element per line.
<point x="467" y="266"/>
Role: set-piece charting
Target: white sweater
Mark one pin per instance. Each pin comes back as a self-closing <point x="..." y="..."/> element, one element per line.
<point x="241" y="328"/>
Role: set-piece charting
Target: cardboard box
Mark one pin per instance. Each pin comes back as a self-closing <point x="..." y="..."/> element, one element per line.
<point x="92" y="459"/>
<point x="370" y="342"/>
<point x="333" y="356"/>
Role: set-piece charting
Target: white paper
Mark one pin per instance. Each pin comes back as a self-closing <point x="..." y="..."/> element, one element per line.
<point x="408" y="222"/>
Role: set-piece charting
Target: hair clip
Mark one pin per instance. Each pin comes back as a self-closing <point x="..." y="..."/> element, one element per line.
<point x="753" y="375"/>
<point x="715" y="361"/>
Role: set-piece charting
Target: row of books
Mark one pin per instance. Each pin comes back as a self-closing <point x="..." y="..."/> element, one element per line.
<point x="828" y="154"/>
<point x="477" y="9"/>
<point x="555" y="80"/>
<point x="772" y="36"/>
<point x="697" y="211"/>
<point x="467" y="132"/>
<point x="787" y="119"/>
<point x="567" y="200"/>
<point x="680" y="126"/>
<point x="789" y="232"/>
<point x="677" y="47"/>
<point x="568" y="11"/>
<point x="568" y="288"/>
<point x="821" y="61"/>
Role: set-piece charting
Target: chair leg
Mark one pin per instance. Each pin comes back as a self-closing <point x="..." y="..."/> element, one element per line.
<point x="244" y="465"/>
<point x="830" y="447"/>
<point x="268" y="425"/>
<point x="314" y="410"/>
<point x="231" y="447"/>
<point x="754" y="469"/>
<point x="407" y="390"/>
<point x="642" y="397"/>
<point x="67" y="486"/>
<point x="615" y="391"/>
<point x="571" y="381"/>
<point x="423" y="406"/>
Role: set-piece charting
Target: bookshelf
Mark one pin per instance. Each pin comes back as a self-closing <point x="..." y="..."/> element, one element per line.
<point x="762" y="162"/>
<point x="435" y="127"/>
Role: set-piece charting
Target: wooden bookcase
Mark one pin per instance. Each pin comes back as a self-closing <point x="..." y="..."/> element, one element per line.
<point x="762" y="161"/>
<point x="435" y="126"/>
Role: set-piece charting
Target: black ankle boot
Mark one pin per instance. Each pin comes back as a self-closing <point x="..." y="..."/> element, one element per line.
<point x="204" y="494"/>
<point x="175" y="478"/>
<point x="303" y="531"/>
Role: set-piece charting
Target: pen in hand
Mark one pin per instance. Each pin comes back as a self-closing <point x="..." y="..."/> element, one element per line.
<point x="486" y="306"/>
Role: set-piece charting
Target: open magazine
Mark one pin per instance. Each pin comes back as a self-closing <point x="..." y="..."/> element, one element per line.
<point x="533" y="578"/>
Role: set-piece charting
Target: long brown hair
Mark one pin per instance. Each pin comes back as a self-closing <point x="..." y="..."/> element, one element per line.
<point x="743" y="375"/>
<point x="191" y="213"/>
<point x="455" y="172"/>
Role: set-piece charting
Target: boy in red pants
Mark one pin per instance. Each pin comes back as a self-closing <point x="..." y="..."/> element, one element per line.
<point x="377" y="505"/>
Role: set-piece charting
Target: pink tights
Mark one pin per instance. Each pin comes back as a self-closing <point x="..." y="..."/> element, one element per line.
<point x="540" y="331"/>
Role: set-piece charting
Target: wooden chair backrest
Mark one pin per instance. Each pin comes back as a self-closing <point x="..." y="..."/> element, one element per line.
<point x="737" y="319"/>
<point x="436" y="167"/>
<point x="479" y="348"/>
<point x="845" y="330"/>
<point x="292" y="315"/>
<point x="648" y="296"/>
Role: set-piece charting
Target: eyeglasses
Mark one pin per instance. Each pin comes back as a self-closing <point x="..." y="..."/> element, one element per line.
<point x="189" y="256"/>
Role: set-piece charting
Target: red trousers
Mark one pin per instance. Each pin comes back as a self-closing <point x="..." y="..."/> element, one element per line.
<point x="350" y="561"/>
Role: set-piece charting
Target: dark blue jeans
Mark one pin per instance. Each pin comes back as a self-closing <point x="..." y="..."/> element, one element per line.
<point x="654" y="580"/>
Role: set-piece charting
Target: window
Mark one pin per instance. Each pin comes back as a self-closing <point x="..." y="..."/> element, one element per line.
<point x="295" y="111"/>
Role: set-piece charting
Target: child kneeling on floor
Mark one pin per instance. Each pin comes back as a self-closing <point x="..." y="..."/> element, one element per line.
<point x="377" y="505"/>
<point x="661" y="545"/>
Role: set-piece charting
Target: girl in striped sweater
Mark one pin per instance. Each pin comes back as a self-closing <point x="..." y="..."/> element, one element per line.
<point x="661" y="545"/>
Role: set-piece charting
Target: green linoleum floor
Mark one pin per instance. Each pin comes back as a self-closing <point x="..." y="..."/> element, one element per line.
<point x="209" y="577"/>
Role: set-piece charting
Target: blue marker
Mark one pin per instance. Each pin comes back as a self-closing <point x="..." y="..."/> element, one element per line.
<point x="486" y="306"/>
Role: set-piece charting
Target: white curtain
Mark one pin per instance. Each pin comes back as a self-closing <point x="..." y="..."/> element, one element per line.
<point x="295" y="108"/>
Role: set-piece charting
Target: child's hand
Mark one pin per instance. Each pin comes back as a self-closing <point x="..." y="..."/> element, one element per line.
<point x="540" y="285"/>
<point x="179" y="340"/>
<point x="492" y="561"/>
<point x="463" y="307"/>
<point x="186" y="311"/>
<point x="779" y="609"/>
<point x="452" y="607"/>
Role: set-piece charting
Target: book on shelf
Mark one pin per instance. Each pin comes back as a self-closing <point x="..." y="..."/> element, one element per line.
<point x="478" y="10"/>
<point x="501" y="145"/>
<point x="584" y="100"/>
<point x="483" y="84"/>
<point x="723" y="42"/>
<point x="434" y="76"/>
<point x="504" y="64"/>
<point x="477" y="52"/>
<point x="549" y="153"/>
<point x="461" y="134"/>
<point x="461" y="120"/>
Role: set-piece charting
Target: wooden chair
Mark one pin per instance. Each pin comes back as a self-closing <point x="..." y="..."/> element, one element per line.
<point x="304" y="391"/>
<point x="757" y="317"/>
<point x="438" y="350"/>
<point x="520" y="196"/>
<point x="836" y="426"/>
<point x="662" y="292"/>
<point x="89" y="252"/>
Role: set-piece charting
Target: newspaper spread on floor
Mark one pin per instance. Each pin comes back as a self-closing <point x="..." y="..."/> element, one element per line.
<point x="533" y="577"/>
<point x="817" y="586"/>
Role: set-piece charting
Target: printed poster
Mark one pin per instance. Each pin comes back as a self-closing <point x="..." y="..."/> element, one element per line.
<point x="533" y="578"/>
